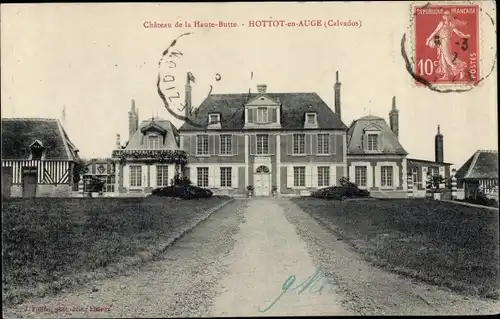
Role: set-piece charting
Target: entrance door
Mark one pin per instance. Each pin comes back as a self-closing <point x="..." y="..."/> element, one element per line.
<point x="262" y="184"/>
<point x="29" y="184"/>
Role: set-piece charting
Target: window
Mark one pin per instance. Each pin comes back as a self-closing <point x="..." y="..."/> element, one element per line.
<point x="226" y="144"/>
<point x="225" y="177"/>
<point x="360" y="175"/>
<point x="299" y="176"/>
<point x="299" y="144"/>
<point x="202" y="176"/>
<point x="311" y="118"/>
<point x="262" y="144"/>
<point x="323" y="144"/>
<point x="262" y="115"/>
<point x="154" y="142"/>
<point x="372" y="142"/>
<point x="202" y="145"/>
<point x="135" y="176"/>
<point x="161" y="175"/>
<point x="110" y="184"/>
<point x="386" y="175"/>
<point x="213" y="118"/>
<point x="323" y="176"/>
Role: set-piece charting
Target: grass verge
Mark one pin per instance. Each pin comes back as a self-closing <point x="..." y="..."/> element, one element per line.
<point x="438" y="242"/>
<point x="46" y="239"/>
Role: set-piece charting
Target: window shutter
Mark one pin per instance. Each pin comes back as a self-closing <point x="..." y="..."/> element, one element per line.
<point x="216" y="174"/>
<point x="217" y="144"/>
<point x="369" y="176"/>
<point x="211" y="145"/>
<point x="308" y="144"/>
<point x="333" y="144"/>
<point x="289" y="144"/>
<point x="235" y="144"/>
<point x="379" y="142"/>
<point x="352" y="174"/>
<point x="194" y="175"/>
<point x="289" y="176"/>
<point x="211" y="177"/>
<point x="153" y="172"/>
<point x="272" y="144"/>
<point x="181" y="141"/>
<point x="378" y="176"/>
<point x="395" y="175"/>
<point x="308" y="175"/>
<point x="144" y="172"/>
<point x="255" y="119"/>
<point x="250" y="116"/>
<point x="314" y="144"/>
<point x="253" y="144"/>
<point x="234" y="177"/>
<point x="314" y="176"/>
<point x="273" y="115"/>
<point x="333" y="175"/>
<point x="126" y="176"/>
<point x="193" y="144"/>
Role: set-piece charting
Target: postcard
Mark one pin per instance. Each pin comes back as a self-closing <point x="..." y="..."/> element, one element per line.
<point x="249" y="159"/>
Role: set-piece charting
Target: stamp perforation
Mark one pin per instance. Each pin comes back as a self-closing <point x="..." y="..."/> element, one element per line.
<point x="481" y="25"/>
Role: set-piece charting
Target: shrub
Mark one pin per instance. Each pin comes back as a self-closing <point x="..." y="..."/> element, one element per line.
<point x="96" y="185"/>
<point x="182" y="191"/>
<point x="346" y="189"/>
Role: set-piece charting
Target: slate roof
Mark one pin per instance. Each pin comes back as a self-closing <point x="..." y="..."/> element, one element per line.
<point x="19" y="133"/>
<point x="135" y="142"/>
<point x="482" y="165"/>
<point x="294" y="107"/>
<point x="390" y="142"/>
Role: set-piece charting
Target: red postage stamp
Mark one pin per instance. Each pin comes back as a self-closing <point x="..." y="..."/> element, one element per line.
<point x="447" y="44"/>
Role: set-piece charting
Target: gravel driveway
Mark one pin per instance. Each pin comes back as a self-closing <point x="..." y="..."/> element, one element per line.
<point x="268" y="256"/>
<point x="258" y="257"/>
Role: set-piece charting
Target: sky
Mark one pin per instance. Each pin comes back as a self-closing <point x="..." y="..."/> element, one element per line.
<point x="93" y="59"/>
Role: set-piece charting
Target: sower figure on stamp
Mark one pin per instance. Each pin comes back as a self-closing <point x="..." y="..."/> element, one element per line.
<point x="448" y="62"/>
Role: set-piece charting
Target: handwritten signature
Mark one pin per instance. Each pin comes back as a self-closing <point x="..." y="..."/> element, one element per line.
<point x="314" y="285"/>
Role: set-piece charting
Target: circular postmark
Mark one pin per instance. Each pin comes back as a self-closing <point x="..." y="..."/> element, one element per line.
<point x="178" y="70"/>
<point x="450" y="47"/>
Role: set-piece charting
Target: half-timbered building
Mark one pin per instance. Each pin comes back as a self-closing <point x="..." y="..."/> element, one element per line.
<point x="38" y="158"/>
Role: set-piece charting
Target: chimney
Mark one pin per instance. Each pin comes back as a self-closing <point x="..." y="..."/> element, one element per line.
<point x="187" y="109"/>
<point x="118" y="144"/>
<point x="438" y="147"/>
<point x="132" y="120"/>
<point x="337" y="95"/>
<point x="261" y="88"/>
<point x="394" y="118"/>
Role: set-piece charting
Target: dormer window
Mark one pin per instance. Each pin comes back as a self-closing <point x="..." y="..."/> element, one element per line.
<point x="262" y="115"/>
<point x="154" y="142"/>
<point x="372" y="142"/>
<point x="37" y="149"/>
<point x="214" y="118"/>
<point x="311" y="118"/>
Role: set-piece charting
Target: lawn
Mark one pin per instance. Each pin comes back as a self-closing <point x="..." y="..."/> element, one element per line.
<point x="45" y="239"/>
<point x="438" y="242"/>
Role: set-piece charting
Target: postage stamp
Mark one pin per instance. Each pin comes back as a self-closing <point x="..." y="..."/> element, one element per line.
<point x="447" y="44"/>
